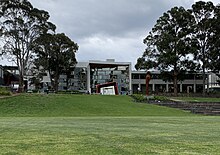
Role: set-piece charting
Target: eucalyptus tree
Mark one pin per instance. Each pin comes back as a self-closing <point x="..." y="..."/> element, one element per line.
<point x="56" y="54"/>
<point x="203" y="13"/>
<point x="21" y="24"/>
<point x="169" y="44"/>
<point x="214" y="63"/>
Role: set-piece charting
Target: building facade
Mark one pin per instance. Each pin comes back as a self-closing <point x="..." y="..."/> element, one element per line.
<point x="213" y="80"/>
<point x="11" y="75"/>
<point x="87" y="75"/>
<point x="191" y="84"/>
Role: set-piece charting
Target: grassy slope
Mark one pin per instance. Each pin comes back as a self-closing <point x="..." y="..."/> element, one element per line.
<point x="119" y="133"/>
<point x="80" y="105"/>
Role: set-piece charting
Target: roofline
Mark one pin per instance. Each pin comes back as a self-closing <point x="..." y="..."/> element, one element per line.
<point x="158" y="72"/>
<point x="109" y="62"/>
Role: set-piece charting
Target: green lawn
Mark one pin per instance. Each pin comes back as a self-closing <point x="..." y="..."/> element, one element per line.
<point x="86" y="124"/>
<point x="80" y="105"/>
<point x="110" y="135"/>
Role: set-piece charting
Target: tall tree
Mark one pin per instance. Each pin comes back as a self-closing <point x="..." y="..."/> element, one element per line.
<point x="21" y="24"/>
<point x="169" y="44"/>
<point x="214" y="63"/>
<point x="56" y="54"/>
<point x="203" y="31"/>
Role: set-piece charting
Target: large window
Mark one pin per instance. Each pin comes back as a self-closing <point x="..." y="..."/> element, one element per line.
<point x="142" y="76"/>
<point x="135" y="76"/>
<point x="119" y="74"/>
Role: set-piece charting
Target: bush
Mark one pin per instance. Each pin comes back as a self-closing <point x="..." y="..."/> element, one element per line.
<point x="4" y="91"/>
<point x="161" y="98"/>
<point x="139" y="98"/>
<point x="142" y="98"/>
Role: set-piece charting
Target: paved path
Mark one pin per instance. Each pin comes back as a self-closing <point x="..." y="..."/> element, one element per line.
<point x="9" y="96"/>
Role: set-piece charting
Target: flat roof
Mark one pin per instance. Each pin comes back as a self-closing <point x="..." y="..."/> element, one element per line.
<point x="110" y="61"/>
<point x="107" y="63"/>
<point x="82" y="64"/>
<point x="158" y="72"/>
<point x="102" y="64"/>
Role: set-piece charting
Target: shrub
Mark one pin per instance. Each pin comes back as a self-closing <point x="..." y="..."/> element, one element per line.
<point x="4" y="91"/>
<point x="142" y="98"/>
<point x="161" y="98"/>
<point x="139" y="98"/>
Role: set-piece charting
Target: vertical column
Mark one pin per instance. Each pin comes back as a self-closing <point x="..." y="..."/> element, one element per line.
<point x="88" y="79"/>
<point x="167" y="87"/>
<point x="207" y="81"/>
<point x="130" y="79"/>
<point x="194" y="85"/>
<point x="181" y="87"/>
<point x="153" y="87"/>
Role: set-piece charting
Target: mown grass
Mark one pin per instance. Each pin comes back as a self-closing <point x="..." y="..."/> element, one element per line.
<point x="80" y="105"/>
<point x="87" y="124"/>
<point x="110" y="135"/>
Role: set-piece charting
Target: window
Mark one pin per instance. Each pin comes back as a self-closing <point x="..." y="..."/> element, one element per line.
<point x="135" y="76"/>
<point x="142" y="76"/>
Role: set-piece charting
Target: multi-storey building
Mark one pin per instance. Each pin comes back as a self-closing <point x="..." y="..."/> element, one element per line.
<point x="87" y="75"/>
<point x="191" y="83"/>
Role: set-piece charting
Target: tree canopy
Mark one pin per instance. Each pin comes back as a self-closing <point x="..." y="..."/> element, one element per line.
<point x="214" y="63"/>
<point x="56" y="54"/>
<point x="169" y="44"/>
<point x="21" y="24"/>
<point x="184" y="40"/>
<point x="203" y="32"/>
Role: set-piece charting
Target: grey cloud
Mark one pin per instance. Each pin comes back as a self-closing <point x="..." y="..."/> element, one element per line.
<point x="107" y="28"/>
<point x="82" y="18"/>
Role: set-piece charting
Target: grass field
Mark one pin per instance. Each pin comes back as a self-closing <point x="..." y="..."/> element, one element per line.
<point x="81" y="124"/>
<point x="80" y="105"/>
<point x="110" y="135"/>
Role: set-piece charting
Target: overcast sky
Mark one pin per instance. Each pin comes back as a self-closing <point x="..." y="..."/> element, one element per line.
<point x="107" y="29"/>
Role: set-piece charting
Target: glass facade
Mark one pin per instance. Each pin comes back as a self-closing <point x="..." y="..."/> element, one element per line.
<point x="118" y="74"/>
<point x="78" y="79"/>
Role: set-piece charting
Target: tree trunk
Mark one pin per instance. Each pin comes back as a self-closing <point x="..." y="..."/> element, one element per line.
<point x="56" y="78"/>
<point x="21" y="69"/>
<point x="203" y="70"/>
<point x="21" y="84"/>
<point x="51" y="80"/>
<point x="68" y="74"/>
<point x="56" y="82"/>
<point x="175" y="86"/>
<point x="203" y="80"/>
